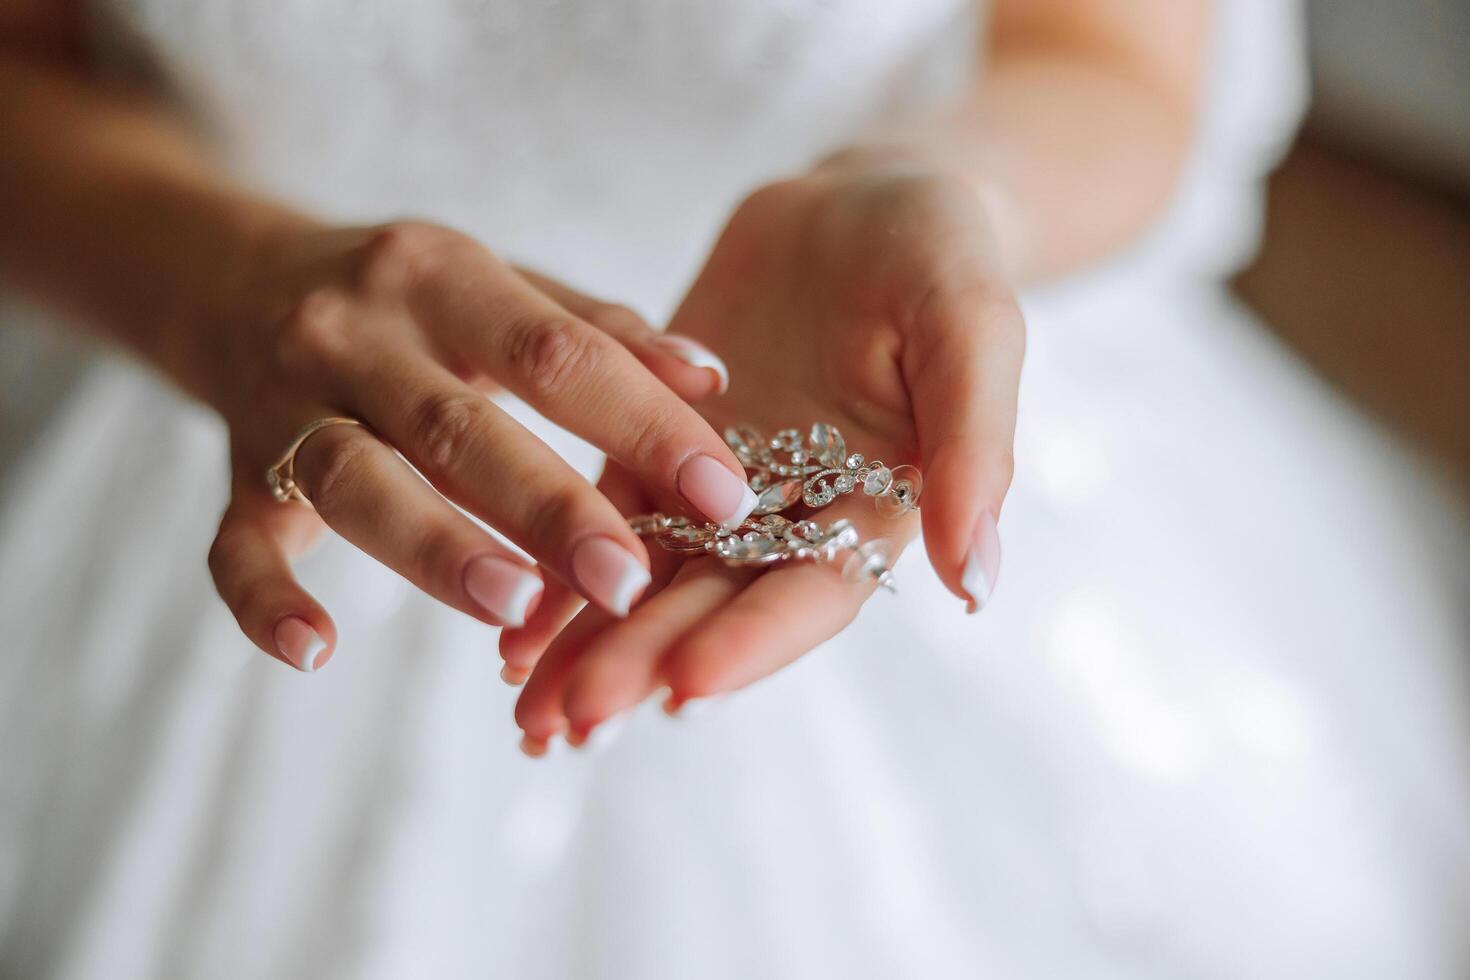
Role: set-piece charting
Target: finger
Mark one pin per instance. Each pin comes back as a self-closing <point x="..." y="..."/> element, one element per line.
<point x="541" y="710"/>
<point x="587" y="382"/>
<point x="248" y="561"/>
<point x="538" y="709"/>
<point x="480" y="457"/>
<point x="618" y="667"/>
<point x="963" y="370"/>
<point x="691" y="369"/>
<point x="623" y="491"/>
<point x="780" y="616"/>
<point x="368" y="495"/>
<point x="522" y="647"/>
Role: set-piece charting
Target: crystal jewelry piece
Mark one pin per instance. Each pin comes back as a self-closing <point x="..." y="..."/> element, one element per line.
<point x="771" y="539"/>
<point x="815" y="471"/>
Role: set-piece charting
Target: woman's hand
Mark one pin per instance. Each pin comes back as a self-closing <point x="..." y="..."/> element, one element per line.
<point x="867" y="294"/>
<point x="406" y="327"/>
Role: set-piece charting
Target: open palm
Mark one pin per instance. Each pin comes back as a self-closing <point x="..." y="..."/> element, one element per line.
<point x="864" y="297"/>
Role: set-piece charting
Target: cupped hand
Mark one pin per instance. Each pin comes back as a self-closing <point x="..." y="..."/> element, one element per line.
<point x="406" y="328"/>
<point x="868" y="295"/>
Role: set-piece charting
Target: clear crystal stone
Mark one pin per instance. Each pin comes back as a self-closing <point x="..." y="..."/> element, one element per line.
<point x="877" y="480"/>
<point x="855" y="460"/>
<point x="747" y="443"/>
<point x="845" y="483"/>
<point x="827" y="444"/>
<point x="778" y="497"/>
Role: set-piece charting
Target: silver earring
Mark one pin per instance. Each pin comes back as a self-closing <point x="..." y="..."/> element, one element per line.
<point x="772" y="539"/>
<point x="785" y="469"/>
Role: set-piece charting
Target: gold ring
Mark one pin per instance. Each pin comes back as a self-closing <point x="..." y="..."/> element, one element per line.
<point x="282" y="475"/>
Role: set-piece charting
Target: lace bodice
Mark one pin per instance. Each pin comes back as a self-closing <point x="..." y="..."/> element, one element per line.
<point x="603" y="140"/>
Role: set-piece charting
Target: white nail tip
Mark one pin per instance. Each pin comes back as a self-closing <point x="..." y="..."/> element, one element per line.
<point x="748" y="500"/>
<point x="308" y="659"/>
<point x="695" y="355"/>
<point x="634" y="580"/>
<point x="975" y="584"/>
<point x="519" y="600"/>
<point x="982" y="564"/>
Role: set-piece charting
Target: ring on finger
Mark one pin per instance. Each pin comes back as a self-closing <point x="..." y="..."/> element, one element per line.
<point x="282" y="474"/>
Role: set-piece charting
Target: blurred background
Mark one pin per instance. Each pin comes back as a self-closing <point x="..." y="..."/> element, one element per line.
<point x="1364" y="269"/>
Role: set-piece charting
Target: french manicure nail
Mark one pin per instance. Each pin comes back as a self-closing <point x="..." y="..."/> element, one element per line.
<point x="715" y="492"/>
<point x="502" y="588"/>
<point x="694" y="354"/>
<point x="982" y="563"/>
<point x="298" y="643"/>
<point x="609" y="574"/>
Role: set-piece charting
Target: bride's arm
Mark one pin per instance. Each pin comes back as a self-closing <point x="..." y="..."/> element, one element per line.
<point x="1076" y="128"/>
<point x="115" y="213"/>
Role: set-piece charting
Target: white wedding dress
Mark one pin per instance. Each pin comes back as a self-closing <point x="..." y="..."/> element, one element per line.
<point x="1212" y="724"/>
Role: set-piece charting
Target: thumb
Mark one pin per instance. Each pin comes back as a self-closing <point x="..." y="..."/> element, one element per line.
<point x="963" y="370"/>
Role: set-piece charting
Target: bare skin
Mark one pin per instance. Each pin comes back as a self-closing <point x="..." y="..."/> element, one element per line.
<point x="892" y="265"/>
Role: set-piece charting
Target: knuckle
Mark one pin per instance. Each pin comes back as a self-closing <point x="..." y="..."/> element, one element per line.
<point x="400" y="255"/>
<point x="549" y="355"/>
<point x="316" y="331"/>
<point x="395" y="254"/>
<point x="443" y="426"/>
<point x="330" y="471"/>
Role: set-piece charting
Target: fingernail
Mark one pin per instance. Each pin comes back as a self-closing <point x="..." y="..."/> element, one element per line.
<point x="299" y="644"/>
<point x="694" y="354"/>
<point x="514" y="676"/>
<point x="533" y="747"/>
<point x="502" y="588"/>
<point x="609" y="574"/>
<point x="982" y="563"/>
<point x="715" y="492"/>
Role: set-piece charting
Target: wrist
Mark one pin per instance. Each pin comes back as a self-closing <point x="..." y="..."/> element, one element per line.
<point x="224" y="244"/>
<point x="1009" y="226"/>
